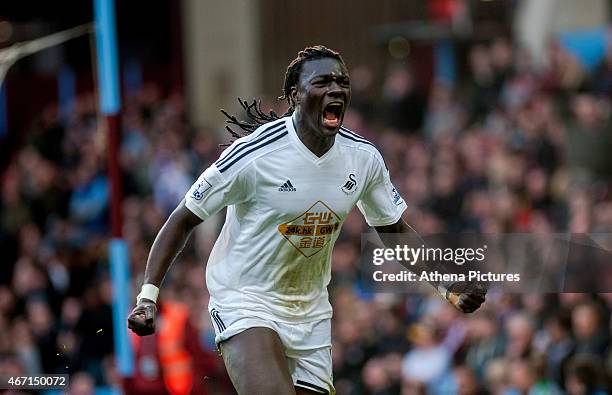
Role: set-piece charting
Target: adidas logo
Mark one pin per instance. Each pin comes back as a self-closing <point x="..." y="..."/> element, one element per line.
<point x="287" y="187"/>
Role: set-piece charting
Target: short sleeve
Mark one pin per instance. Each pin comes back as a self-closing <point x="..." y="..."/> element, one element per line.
<point x="381" y="204"/>
<point x="213" y="191"/>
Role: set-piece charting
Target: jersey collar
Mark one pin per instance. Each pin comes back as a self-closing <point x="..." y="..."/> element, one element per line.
<point x="305" y="150"/>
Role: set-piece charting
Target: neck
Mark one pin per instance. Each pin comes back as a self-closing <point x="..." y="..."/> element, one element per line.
<point x="317" y="142"/>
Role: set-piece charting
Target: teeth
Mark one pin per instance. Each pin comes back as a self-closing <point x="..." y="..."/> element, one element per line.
<point x="332" y="112"/>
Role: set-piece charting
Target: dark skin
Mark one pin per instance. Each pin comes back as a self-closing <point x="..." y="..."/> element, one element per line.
<point x="168" y="244"/>
<point x="321" y="82"/>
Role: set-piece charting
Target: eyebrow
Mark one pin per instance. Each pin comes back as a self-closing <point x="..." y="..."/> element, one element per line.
<point x="330" y="76"/>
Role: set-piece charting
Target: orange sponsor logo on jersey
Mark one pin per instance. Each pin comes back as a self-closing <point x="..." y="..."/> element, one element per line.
<point x="290" y="230"/>
<point x="311" y="218"/>
<point x="311" y="230"/>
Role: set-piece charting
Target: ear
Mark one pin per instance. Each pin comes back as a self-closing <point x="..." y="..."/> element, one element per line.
<point x="295" y="95"/>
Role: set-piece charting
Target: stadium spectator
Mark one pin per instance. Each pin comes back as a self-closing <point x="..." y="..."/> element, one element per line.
<point x="592" y="335"/>
<point x="585" y="376"/>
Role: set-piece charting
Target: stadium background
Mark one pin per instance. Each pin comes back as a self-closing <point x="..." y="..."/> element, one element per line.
<point x="493" y="116"/>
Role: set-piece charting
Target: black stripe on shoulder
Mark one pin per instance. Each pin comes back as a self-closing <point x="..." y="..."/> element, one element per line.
<point x="267" y="132"/>
<point x="263" y="143"/>
<point x="302" y="383"/>
<point x="353" y="133"/>
<point x="363" y="141"/>
<point x="355" y="137"/>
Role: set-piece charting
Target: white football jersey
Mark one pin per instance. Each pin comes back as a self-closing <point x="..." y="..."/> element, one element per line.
<point x="285" y="210"/>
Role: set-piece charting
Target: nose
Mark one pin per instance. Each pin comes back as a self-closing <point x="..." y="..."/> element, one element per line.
<point x="335" y="90"/>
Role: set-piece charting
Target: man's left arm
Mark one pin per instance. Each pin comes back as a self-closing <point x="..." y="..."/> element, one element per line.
<point x="465" y="296"/>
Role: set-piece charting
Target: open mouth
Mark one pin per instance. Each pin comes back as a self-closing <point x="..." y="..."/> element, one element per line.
<point x="332" y="113"/>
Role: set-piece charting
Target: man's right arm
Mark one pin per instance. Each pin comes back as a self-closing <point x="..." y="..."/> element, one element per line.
<point x="168" y="244"/>
<point x="211" y="192"/>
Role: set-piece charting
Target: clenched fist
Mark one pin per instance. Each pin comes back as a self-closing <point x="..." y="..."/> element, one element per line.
<point x="142" y="319"/>
<point x="466" y="297"/>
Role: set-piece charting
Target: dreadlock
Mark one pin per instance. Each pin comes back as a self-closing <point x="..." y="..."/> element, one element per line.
<point x="253" y="109"/>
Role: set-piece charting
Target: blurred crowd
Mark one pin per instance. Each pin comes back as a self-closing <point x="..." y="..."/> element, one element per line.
<point x="510" y="147"/>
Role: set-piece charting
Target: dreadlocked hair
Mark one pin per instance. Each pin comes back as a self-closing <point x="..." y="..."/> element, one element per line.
<point x="256" y="115"/>
<point x="253" y="109"/>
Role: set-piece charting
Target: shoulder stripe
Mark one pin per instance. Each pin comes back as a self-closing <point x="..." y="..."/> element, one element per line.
<point x="254" y="135"/>
<point x="355" y="137"/>
<point x="263" y="143"/>
<point x="270" y="131"/>
<point x="358" y="137"/>
<point x="353" y="133"/>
